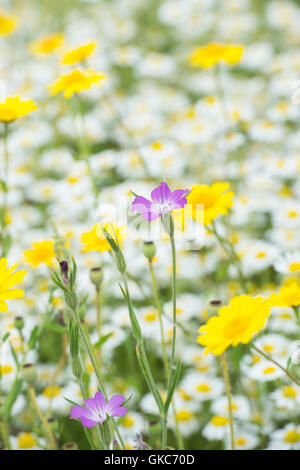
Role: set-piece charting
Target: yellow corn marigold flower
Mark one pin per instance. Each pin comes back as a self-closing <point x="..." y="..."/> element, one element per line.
<point x="7" y="24"/>
<point x="289" y="295"/>
<point x="96" y="241"/>
<point x="8" y="279"/>
<point x="208" y="202"/>
<point x="78" y="54"/>
<point x="41" y="252"/>
<point x="47" y="44"/>
<point x="235" y="323"/>
<point x="14" y="108"/>
<point x="213" y="53"/>
<point x="75" y="82"/>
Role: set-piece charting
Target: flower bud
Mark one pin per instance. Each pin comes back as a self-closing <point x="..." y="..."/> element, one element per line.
<point x="121" y="264"/>
<point x="53" y="423"/>
<point x="64" y="271"/>
<point x="29" y="373"/>
<point x="76" y="367"/>
<point x="149" y="250"/>
<point x="96" y="276"/>
<point x="70" y="446"/>
<point x="19" y="323"/>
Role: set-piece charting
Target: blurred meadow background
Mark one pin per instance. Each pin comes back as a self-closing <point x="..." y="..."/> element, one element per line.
<point x="100" y="102"/>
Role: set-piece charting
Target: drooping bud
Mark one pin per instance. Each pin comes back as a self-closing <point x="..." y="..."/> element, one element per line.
<point x="96" y="276"/>
<point x="29" y="373"/>
<point x="149" y="250"/>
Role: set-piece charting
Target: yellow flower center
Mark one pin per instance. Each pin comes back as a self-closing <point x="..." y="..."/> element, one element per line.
<point x="268" y="348"/>
<point x="240" y="441"/>
<point x="26" y="441"/>
<point x="261" y="254"/>
<point x="219" y="420"/>
<point x="6" y="369"/>
<point x="184" y="415"/>
<point x="292" y="214"/>
<point x="128" y="422"/>
<point x="203" y="388"/>
<point x="51" y="391"/>
<point x="150" y="317"/>
<point x="156" y="145"/>
<point x="269" y="370"/>
<point x="289" y="392"/>
<point x="292" y="436"/>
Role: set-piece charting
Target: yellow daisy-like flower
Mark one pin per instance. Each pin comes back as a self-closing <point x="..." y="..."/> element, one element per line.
<point x="47" y="44"/>
<point x="75" y="82"/>
<point x="41" y="252"/>
<point x="78" y="54"/>
<point x="8" y="279"/>
<point x="7" y="24"/>
<point x="208" y="202"/>
<point x="289" y="295"/>
<point x="96" y="241"/>
<point x="14" y="108"/>
<point x="213" y="53"/>
<point x="235" y="323"/>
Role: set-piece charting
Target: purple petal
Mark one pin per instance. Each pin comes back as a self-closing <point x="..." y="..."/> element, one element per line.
<point x="143" y="205"/>
<point x="141" y="201"/>
<point x="178" y="194"/>
<point x="161" y="193"/>
<point x="97" y="405"/>
<point x="77" y="411"/>
<point x="180" y="204"/>
<point x="87" y="418"/>
<point x="89" y="423"/>
<point x="114" y="408"/>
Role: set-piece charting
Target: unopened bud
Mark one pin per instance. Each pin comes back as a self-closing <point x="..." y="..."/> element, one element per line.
<point x="70" y="446"/>
<point x="19" y="323"/>
<point x="121" y="265"/>
<point x="149" y="249"/>
<point x="96" y="276"/>
<point x="29" y="373"/>
<point x="53" y="423"/>
<point x="76" y="367"/>
<point x="64" y="271"/>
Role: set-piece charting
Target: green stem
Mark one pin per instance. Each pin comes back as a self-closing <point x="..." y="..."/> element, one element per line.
<point x="42" y="418"/>
<point x="269" y="358"/>
<point x="87" y="430"/>
<point x="228" y="393"/>
<point x="91" y="354"/>
<point x="159" y="309"/>
<point x="5" y="180"/>
<point x="5" y="436"/>
<point x="98" y="310"/>
<point x="173" y="249"/>
<point x="228" y="248"/>
<point x="164" y="353"/>
<point x="144" y="363"/>
<point x="85" y="151"/>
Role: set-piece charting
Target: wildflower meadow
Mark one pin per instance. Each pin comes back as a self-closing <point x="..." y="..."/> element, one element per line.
<point x="149" y="225"/>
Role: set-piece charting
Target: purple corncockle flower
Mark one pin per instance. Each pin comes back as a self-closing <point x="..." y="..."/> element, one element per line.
<point x="97" y="409"/>
<point x="163" y="201"/>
